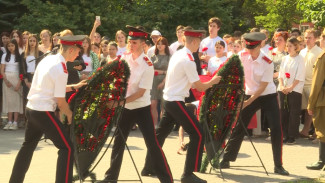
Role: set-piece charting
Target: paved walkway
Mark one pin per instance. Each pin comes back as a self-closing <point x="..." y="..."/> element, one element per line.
<point x="245" y="169"/>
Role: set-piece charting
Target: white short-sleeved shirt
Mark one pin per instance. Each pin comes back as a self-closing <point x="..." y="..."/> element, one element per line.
<point x="257" y="71"/>
<point x="210" y="44"/>
<point x="141" y="76"/>
<point x="295" y="66"/>
<point x="265" y="49"/>
<point x="310" y="57"/>
<point x="181" y="74"/>
<point x="173" y="47"/>
<point x="88" y="62"/>
<point x="49" y="82"/>
<point x="11" y="66"/>
<point x="30" y="65"/>
<point x="215" y="62"/>
<point x="120" y="51"/>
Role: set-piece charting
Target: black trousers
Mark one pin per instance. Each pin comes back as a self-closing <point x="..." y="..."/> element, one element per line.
<point x="176" y="111"/>
<point x="141" y="116"/>
<point x="290" y="113"/>
<point x="271" y="109"/>
<point x="39" y="123"/>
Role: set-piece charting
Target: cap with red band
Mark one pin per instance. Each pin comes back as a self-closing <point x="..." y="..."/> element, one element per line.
<point x="136" y="33"/>
<point x="72" y="40"/>
<point x="253" y="39"/>
<point x="194" y="33"/>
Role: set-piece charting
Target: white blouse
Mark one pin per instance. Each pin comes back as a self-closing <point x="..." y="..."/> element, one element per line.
<point x="11" y="66"/>
<point x="215" y="62"/>
<point x="30" y="65"/>
<point x="88" y="63"/>
<point x="295" y="66"/>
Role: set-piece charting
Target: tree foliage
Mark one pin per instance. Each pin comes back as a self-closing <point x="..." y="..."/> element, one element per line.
<point x="278" y="14"/>
<point x="79" y="16"/>
<point x="10" y="11"/>
<point x="314" y="10"/>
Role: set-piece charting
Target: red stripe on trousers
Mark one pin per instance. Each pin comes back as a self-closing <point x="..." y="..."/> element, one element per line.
<point x="162" y="153"/>
<point x="197" y="130"/>
<point x="65" y="142"/>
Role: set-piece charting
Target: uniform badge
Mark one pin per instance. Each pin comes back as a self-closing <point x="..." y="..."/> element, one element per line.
<point x="190" y="57"/>
<point x="266" y="59"/>
<point x="64" y="67"/>
<point x="147" y="61"/>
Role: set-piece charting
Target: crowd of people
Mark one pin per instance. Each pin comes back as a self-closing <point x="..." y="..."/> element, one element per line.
<point x="283" y="60"/>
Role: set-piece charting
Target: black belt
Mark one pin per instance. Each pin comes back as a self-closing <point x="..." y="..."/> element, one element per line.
<point x="324" y="84"/>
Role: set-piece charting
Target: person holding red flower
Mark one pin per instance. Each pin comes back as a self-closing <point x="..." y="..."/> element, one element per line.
<point x="12" y="90"/>
<point x="291" y="82"/>
<point x="90" y="59"/>
<point x="160" y="62"/>
<point x="278" y="52"/>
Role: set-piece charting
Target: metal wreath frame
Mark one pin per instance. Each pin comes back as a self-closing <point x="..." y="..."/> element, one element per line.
<point x="121" y="103"/>
<point x="216" y="148"/>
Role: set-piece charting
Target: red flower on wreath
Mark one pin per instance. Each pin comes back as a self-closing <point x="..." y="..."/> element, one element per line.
<point x="204" y="49"/>
<point x="271" y="48"/>
<point x="21" y="77"/>
<point x="287" y="75"/>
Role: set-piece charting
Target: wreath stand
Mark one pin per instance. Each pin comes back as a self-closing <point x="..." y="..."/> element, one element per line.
<point x="121" y="103"/>
<point x="239" y="120"/>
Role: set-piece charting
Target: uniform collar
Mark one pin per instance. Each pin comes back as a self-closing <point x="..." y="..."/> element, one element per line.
<point x="187" y="50"/>
<point x="139" y="59"/>
<point x="61" y="58"/>
<point x="258" y="59"/>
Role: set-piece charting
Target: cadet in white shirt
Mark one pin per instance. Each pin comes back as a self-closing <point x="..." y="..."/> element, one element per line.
<point x="137" y="110"/>
<point x="181" y="75"/>
<point x="260" y="94"/>
<point x="47" y="91"/>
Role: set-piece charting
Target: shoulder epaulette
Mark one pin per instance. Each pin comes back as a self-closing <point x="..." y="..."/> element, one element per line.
<point x="147" y="61"/>
<point x="244" y="53"/>
<point x="267" y="59"/>
<point x="190" y="56"/>
<point x="64" y="67"/>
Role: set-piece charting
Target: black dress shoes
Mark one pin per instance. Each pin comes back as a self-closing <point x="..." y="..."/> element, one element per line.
<point x="316" y="166"/>
<point x="280" y="170"/>
<point x="146" y="172"/>
<point x="224" y="164"/>
<point x="192" y="179"/>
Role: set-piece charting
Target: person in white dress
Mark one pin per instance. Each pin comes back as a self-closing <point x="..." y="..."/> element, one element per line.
<point x="120" y="38"/>
<point x="215" y="62"/>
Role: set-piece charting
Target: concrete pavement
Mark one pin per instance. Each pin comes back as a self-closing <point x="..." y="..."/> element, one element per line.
<point x="246" y="169"/>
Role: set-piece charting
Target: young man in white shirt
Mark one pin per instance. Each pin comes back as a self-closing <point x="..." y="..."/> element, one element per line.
<point x="155" y="35"/>
<point x="206" y="50"/>
<point x="179" y="42"/>
<point x="260" y="94"/>
<point x="48" y="90"/>
<point x="181" y="76"/>
<point x="137" y="110"/>
<point x="310" y="54"/>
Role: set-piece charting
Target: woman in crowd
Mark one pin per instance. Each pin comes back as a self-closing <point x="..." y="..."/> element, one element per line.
<point x="95" y="48"/>
<point x="291" y="82"/>
<point x="237" y="47"/>
<point x="103" y="51"/>
<point x="30" y="61"/>
<point x="120" y="38"/>
<point x="25" y="38"/>
<point x="215" y="62"/>
<point x="15" y="34"/>
<point x="12" y="95"/>
<point x="302" y="43"/>
<point x="160" y="62"/>
<point x="277" y="53"/>
<point x="46" y="41"/>
<point x="90" y="58"/>
<point x="230" y="46"/>
<point x="5" y="38"/>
